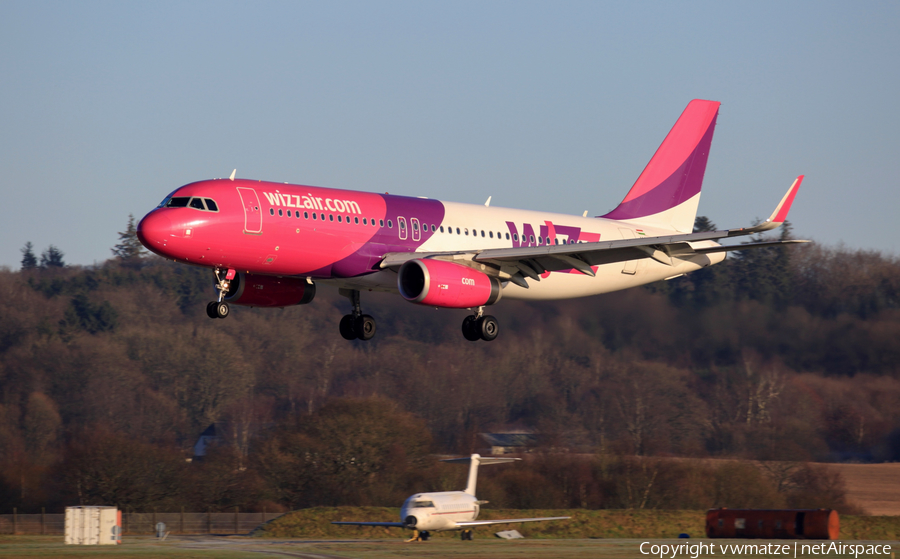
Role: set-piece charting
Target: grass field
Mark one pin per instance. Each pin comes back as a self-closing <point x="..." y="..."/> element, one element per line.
<point x="15" y="547"/>
<point x="655" y="524"/>
<point x="309" y="534"/>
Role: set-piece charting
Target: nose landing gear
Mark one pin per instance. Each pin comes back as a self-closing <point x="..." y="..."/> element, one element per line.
<point x="356" y="325"/>
<point x="480" y="326"/>
<point x="219" y="308"/>
<point x="419" y="536"/>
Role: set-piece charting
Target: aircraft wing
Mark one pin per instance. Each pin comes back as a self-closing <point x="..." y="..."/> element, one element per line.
<point x="384" y="524"/>
<point x="517" y="263"/>
<point x="471" y="523"/>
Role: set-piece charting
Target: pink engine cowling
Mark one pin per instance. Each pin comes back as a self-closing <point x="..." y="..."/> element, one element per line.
<point x="438" y="283"/>
<point x="269" y="291"/>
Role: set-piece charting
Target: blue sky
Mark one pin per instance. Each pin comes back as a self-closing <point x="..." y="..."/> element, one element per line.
<point x="105" y="107"/>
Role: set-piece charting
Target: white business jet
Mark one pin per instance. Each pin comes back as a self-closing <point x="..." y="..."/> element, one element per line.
<point x="449" y="510"/>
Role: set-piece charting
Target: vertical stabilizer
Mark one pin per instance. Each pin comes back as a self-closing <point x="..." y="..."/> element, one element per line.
<point x="474" y="461"/>
<point x="668" y="191"/>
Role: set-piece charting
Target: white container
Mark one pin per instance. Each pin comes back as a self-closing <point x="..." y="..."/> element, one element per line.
<point x="93" y="526"/>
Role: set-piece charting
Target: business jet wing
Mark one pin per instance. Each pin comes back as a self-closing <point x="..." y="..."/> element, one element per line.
<point x="383" y="524"/>
<point x="517" y="263"/>
<point x="472" y="523"/>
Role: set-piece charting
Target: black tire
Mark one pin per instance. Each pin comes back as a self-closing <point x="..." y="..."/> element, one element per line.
<point x="211" y="310"/>
<point x="348" y="332"/>
<point x="424" y="536"/>
<point x="222" y="310"/>
<point x="365" y="327"/>
<point x="469" y="329"/>
<point x="487" y="327"/>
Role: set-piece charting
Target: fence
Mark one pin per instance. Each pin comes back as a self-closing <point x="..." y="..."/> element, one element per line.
<point x="135" y="523"/>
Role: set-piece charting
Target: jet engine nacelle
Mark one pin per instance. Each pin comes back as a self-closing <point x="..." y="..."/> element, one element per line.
<point x="269" y="291"/>
<point x="438" y="283"/>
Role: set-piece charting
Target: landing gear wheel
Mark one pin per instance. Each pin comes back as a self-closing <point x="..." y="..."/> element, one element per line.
<point x="364" y="326"/>
<point x="469" y="329"/>
<point x="466" y="535"/>
<point x="487" y="327"/>
<point x="211" y="310"/>
<point x="348" y="332"/>
<point x="222" y="310"/>
<point x="424" y="536"/>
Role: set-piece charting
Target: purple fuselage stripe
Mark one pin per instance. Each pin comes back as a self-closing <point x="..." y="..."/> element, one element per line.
<point x="425" y="210"/>
<point x="679" y="187"/>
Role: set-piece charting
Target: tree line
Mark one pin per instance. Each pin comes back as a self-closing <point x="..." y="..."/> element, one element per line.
<point x="783" y="354"/>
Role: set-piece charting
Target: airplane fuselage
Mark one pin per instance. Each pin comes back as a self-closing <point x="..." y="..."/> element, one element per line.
<point x="340" y="236"/>
<point x="439" y="511"/>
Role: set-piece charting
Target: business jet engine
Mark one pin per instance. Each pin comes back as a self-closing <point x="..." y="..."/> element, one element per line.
<point x="254" y="290"/>
<point x="438" y="283"/>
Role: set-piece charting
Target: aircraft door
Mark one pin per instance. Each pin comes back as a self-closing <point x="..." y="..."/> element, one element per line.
<point x="631" y="265"/>
<point x="252" y="213"/>
<point x="415" y="228"/>
<point x="401" y="224"/>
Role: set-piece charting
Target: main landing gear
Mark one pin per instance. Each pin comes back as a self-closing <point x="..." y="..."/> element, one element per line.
<point x="480" y="326"/>
<point x="219" y="308"/>
<point x="356" y="325"/>
<point x="466" y="535"/>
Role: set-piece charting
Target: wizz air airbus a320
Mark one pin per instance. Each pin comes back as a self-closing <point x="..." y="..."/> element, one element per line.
<point x="270" y="244"/>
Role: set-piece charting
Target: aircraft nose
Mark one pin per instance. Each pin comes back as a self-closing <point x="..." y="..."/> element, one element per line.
<point x="154" y="230"/>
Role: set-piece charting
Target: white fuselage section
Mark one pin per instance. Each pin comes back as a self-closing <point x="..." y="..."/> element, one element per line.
<point x="439" y="511"/>
<point x="471" y="227"/>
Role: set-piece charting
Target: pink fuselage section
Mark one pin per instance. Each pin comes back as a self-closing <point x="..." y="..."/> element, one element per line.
<point x="290" y="230"/>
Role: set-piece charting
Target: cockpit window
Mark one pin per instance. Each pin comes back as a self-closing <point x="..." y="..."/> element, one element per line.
<point x="178" y="202"/>
<point x="422" y="505"/>
<point x="202" y="204"/>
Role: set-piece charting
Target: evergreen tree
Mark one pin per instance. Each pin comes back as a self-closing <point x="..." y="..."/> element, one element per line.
<point x="702" y="224"/>
<point x="52" y="258"/>
<point x="29" y="260"/>
<point x="129" y="251"/>
<point x="763" y="274"/>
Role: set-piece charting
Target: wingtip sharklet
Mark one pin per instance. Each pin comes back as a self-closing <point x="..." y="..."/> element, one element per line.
<point x="781" y="210"/>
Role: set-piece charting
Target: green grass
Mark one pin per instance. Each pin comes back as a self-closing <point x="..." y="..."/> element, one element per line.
<point x="644" y="524"/>
<point x="243" y="547"/>
<point x="308" y="533"/>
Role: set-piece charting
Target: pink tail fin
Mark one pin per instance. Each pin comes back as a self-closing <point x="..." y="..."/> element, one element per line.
<point x="668" y="191"/>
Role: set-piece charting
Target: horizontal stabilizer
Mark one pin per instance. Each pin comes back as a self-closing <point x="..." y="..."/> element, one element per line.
<point x="482" y="460"/>
<point x="473" y="523"/>
<point x="382" y="524"/>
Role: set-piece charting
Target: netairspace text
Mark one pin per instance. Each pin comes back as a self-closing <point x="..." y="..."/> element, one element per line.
<point x="695" y="550"/>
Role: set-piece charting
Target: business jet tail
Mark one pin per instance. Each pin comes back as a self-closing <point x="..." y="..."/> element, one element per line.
<point x="474" y="461"/>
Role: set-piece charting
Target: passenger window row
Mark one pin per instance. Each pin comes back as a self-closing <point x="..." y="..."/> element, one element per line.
<point x="490" y="234"/>
<point x="475" y="232"/>
<point x="331" y="217"/>
<point x="390" y="224"/>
